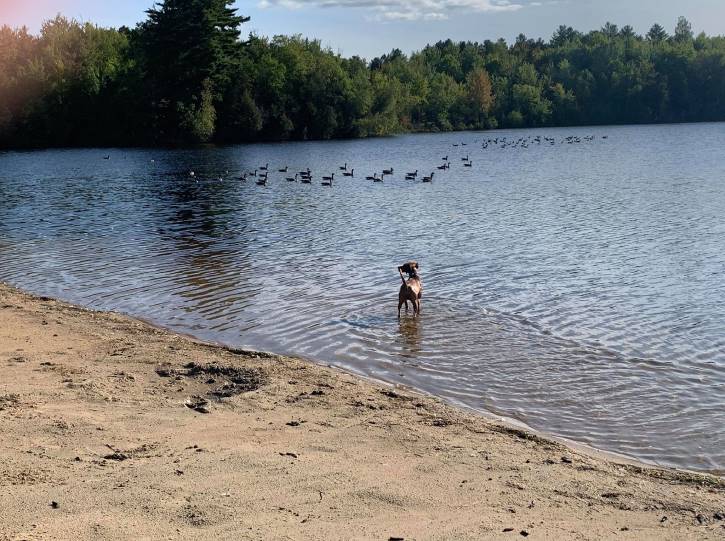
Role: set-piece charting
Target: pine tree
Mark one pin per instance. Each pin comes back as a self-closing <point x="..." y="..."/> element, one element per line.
<point x="657" y="33"/>
<point x="191" y="49"/>
<point x="683" y="31"/>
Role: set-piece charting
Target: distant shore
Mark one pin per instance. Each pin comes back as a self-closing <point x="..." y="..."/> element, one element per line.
<point x="115" y="429"/>
<point x="493" y="132"/>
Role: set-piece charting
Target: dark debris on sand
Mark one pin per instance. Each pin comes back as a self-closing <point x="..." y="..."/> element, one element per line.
<point x="232" y="380"/>
<point x="9" y="401"/>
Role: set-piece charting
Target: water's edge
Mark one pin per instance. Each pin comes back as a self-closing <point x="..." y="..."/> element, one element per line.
<point x="506" y="422"/>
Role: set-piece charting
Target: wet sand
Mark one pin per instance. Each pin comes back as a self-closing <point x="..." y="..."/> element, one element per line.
<point x="100" y="440"/>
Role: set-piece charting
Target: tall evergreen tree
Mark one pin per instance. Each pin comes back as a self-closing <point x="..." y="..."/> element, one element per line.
<point x="627" y="32"/>
<point x="683" y="31"/>
<point x="190" y="51"/>
<point x="657" y="33"/>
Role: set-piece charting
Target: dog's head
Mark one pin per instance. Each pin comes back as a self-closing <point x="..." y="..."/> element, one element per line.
<point x="410" y="268"/>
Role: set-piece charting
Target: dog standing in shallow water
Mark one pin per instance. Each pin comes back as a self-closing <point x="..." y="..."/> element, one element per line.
<point x="411" y="289"/>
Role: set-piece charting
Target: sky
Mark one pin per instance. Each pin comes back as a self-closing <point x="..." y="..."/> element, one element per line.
<point x="369" y="28"/>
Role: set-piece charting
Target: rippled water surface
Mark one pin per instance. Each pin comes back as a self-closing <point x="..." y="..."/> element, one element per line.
<point x="578" y="288"/>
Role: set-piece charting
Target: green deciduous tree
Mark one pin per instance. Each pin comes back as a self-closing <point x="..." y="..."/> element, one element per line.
<point x="480" y="95"/>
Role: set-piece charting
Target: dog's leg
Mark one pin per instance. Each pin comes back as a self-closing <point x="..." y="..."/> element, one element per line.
<point x="400" y="304"/>
<point x="406" y="306"/>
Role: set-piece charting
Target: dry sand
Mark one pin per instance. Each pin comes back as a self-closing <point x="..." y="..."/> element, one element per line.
<point x="97" y="443"/>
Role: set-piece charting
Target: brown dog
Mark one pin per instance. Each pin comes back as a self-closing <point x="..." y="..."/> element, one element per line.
<point x="411" y="289"/>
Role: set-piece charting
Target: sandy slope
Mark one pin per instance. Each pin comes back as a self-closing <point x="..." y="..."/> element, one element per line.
<point x="92" y="417"/>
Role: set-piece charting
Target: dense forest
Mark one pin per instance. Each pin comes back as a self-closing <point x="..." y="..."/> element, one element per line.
<point x="186" y="75"/>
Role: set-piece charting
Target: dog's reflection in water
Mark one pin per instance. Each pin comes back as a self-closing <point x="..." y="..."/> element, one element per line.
<point x="409" y="328"/>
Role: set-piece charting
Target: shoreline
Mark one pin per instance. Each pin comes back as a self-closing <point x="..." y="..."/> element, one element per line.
<point x="490" y="416"/>
<point x="98" y="407"/>
<point x="337" y="139"/>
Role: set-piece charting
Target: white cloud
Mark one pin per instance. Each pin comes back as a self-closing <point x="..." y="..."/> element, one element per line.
<point x="403" y="10"/>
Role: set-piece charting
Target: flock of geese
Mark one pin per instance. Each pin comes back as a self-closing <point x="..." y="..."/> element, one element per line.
<point x="261" y="174"/>
<point x="525" y="142"/>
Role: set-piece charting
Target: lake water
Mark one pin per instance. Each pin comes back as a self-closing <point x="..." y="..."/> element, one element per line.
<point x="578" y="288"/>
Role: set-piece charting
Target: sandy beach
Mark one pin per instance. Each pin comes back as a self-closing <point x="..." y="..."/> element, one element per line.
<point x="114" y="429"/>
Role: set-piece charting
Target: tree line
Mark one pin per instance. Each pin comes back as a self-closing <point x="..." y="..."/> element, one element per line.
<point x="186" y="76"/>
